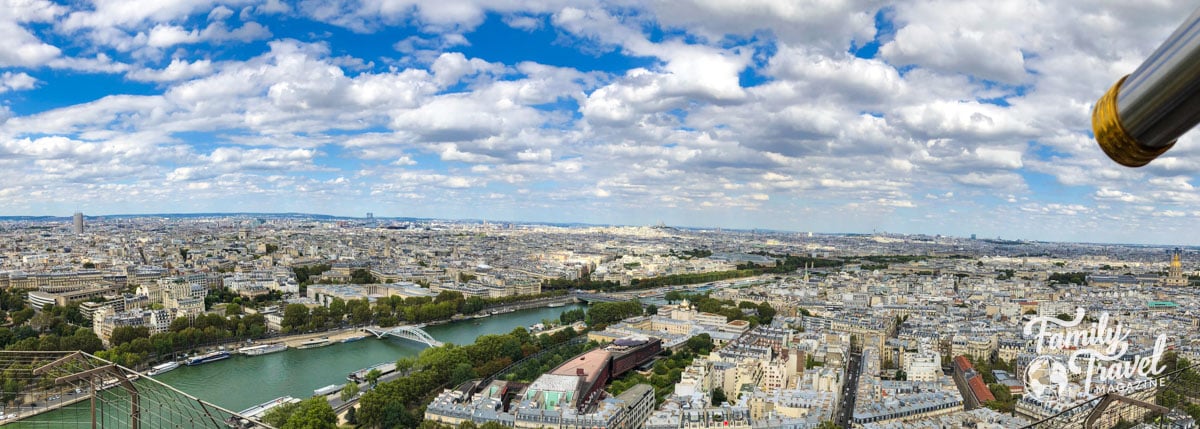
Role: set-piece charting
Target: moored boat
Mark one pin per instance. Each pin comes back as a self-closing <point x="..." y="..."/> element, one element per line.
<point x="327" y="390"/>
<point x="353" y="339"/>
<point x="161" y="368"/>
<point x="259" y="410"/>
<point x="262" y="349"/>
<point x="207" y="357"/>
<point x="314" y="343"/>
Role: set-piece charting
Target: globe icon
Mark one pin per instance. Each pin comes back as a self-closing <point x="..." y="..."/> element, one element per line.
<point x="1046" y="377"/>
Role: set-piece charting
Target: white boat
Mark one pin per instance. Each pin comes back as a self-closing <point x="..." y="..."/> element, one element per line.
<point x="207" y="357"/>
<point x="361" y="375"/>
<point x="161" y="368"/>
<point x="314" y="343"/>
<point x="259" y="410"/>
<point x="556" y="305"/>
<point x="262" y="349"/>
<point x="327" y="389"/>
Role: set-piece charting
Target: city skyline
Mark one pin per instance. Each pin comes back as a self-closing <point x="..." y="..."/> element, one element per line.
<point x="918" y="117"/>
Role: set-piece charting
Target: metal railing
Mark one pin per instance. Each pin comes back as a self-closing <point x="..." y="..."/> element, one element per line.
<point x="64" y="389"/>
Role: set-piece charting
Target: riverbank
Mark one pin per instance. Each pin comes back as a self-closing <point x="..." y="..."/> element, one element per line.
<point x="333" y="336"/>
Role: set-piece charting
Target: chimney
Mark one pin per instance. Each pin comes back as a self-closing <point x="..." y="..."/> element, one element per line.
<point x="579" y="372"/>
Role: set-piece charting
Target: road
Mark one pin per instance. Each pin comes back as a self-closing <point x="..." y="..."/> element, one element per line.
<point x="849" y="390"/>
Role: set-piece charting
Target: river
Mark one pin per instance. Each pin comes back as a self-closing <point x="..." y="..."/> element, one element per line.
<point x="244" y="381"/>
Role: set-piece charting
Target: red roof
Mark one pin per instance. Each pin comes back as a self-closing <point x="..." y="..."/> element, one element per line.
<point x="964" y="365"/>
<point x="980" y="390"/>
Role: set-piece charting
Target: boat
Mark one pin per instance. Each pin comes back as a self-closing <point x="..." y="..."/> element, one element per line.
<point x="327" y="390"/>
<point x="161" y="368"/>
<point x="361" y="375"/>
<point x="353" y="339"/>
<point x="482" y="315"/>
<point x="262" y="349"/>
<point x="556" y="305"/>
<point x="207" y="357"/>
<point x="314" y="343"/>
<point x="259" y="410"/>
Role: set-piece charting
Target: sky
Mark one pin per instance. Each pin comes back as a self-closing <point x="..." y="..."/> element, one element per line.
<point x="936" y="117"/>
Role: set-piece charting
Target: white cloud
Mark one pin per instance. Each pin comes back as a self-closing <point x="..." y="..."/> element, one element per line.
<point x="176" y="71"/>
<point x="10" y="81"/>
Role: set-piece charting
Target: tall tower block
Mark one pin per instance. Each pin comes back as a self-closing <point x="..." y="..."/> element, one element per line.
<point x="77" y="227"/>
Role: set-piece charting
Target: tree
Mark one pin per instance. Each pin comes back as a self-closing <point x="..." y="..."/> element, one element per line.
<point x="651" y="310"/>
<point x="233" y="309"/>
<point x="352" y="415"/>
<point x="313" y="413"/>
<point x="279" y="415"/>
<point x="373" y="376"/>
<point x="294" y="317"/>
<point x="701" y="344"/>
<point x="349" y="391"/>
<point x="718" y="397"/>
<point x="124" y="334"/>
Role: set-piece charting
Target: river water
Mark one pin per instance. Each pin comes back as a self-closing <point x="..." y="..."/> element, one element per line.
<point x="244" y="381"/>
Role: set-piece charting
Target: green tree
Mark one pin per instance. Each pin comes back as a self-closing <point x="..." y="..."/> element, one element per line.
<point x="349" y="391"/>
<point x="362" y="277"/>
<point x="718" y="397"/>
<point x="352" y="415"/>
<point x="233" y="309"/>
<point x="313" y="413"/>
<point x="279" y="415"/>
<point x="373" y="376"/>
<point x="124" y="334"/>
<point x="295" y="316"/>
<point x="701" y="344"/>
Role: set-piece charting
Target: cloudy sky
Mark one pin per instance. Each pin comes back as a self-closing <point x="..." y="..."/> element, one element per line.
<point x="947" y="117"/>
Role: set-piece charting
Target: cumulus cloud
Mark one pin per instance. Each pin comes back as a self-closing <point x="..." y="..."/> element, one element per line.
<point x="755" y="113"/>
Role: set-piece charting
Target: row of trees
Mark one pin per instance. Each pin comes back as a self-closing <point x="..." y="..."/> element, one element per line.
<point x="602" y="313"/>
<point x="132" y="347"/>
<point x="390" y="311"/>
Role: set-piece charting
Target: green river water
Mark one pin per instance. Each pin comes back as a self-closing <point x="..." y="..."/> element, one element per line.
<point x="241" y="382"/>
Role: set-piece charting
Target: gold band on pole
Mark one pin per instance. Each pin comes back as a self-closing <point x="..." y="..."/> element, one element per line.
<point x="1114" y="140"/>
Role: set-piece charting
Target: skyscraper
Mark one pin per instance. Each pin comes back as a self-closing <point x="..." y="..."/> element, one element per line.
<point x="78" y="227"/>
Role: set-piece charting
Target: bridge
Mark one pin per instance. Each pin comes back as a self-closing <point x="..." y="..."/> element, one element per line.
<point x="407" y="332"/>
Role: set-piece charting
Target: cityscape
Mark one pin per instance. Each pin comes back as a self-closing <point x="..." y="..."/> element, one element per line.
<point x="473" y="323"/>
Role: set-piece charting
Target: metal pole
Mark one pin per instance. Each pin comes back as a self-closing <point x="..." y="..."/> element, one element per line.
<point x="1144" y="113"/>
<point x="92" y="399"/>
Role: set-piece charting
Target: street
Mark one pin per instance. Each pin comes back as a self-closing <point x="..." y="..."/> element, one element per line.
<point x="849" y="390"/>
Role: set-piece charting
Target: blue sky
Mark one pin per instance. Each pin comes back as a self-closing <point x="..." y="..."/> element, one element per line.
<point x="913" y="116"/>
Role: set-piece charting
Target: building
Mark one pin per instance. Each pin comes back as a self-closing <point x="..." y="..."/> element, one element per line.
<point x="77" y="227"/>
<point x="104" y="320"/>
<point x="569" y="396"/>
<point x="1175" y="277"/>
